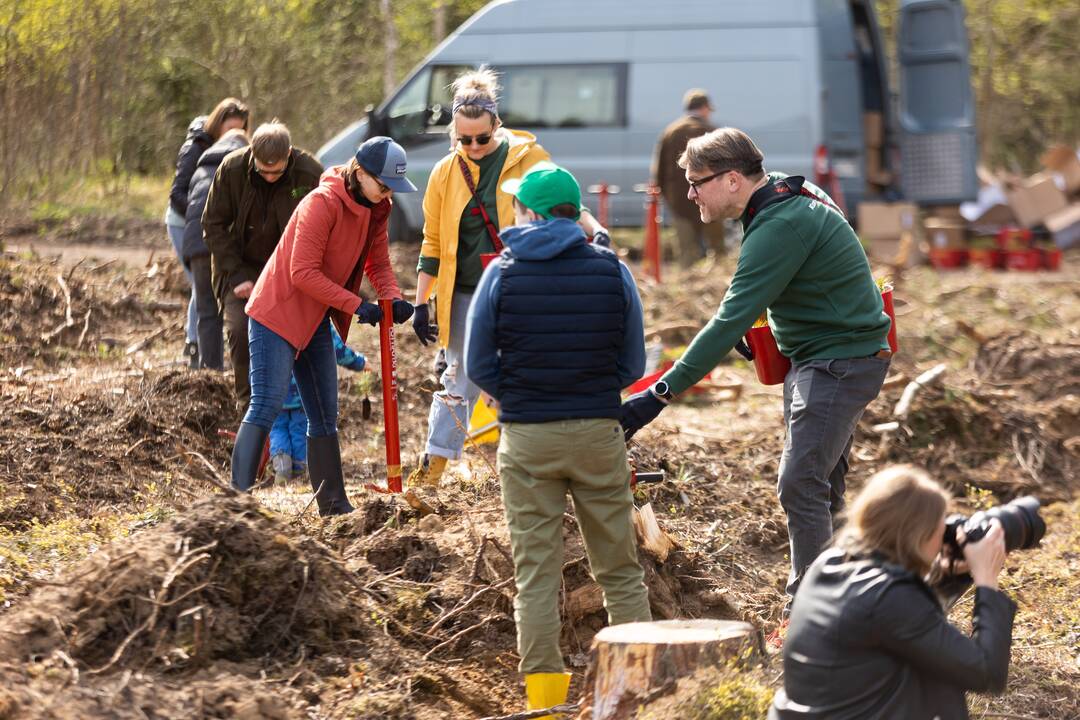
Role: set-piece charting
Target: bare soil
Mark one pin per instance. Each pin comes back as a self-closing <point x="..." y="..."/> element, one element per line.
<point x="211" y="604"/>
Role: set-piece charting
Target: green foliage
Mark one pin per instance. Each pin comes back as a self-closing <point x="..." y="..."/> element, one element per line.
<point x="108" y="87"/>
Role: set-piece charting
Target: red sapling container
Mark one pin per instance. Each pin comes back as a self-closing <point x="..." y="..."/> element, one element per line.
<point x="944" y="259"/>
<point x="1027" y="260"/>
<point x="770" y="365"/>
<point x="886" y="298"/>
<point x="989" y="258"/>
<point x="1051" y="258"/>
<point x="486" y="258"/>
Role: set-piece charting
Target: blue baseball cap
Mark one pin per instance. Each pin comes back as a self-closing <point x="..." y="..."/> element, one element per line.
<point x="385" y="160"/>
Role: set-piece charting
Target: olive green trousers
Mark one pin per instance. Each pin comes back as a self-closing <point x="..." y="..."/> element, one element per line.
<point x="539" y="463"/>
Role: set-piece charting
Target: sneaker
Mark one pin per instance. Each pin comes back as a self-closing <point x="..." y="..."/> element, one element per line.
<point x="774" y="641"/>
<point x="283" y="468"/>
<point x="429" y="474"/>
<point x="191" y="352"/>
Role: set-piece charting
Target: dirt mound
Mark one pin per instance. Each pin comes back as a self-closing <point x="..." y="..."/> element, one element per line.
<point x="223" y="580"/>
<point x="76" y="451"/>
<point x="50" y="314"/>
<point x="1024" y="362"/>
<point x="1013" y="428"/>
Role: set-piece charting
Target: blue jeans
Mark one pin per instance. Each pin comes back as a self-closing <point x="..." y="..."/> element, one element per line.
<point x="176" y="237"/>
<point x="273" y="360"/>
<point x="288" y="435"/>
<point x="451" y="407"/>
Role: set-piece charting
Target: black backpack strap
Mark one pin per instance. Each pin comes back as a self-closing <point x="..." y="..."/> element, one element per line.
<point x="781" y="190"/>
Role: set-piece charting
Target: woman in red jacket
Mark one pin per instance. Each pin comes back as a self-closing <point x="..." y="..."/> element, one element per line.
<point x="336" y="236"/>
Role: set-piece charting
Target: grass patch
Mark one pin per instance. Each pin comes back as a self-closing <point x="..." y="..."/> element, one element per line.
<point x="125" y="196"/>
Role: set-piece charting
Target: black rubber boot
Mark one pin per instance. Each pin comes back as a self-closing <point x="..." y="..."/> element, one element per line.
<point x="324" y="468"/>
<point x="246" y="454"/>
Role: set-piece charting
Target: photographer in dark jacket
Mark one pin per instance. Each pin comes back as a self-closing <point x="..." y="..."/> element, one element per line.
<point x="196" y="256"/>
<point x="868" y="637"/>
<point x="251" y="200"/>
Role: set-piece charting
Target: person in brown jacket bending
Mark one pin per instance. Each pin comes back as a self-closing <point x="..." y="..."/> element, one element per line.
<point x="254" y="193"/>
<point x="694" y="236"/>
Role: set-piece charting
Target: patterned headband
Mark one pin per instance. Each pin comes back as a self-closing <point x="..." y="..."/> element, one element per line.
<point x="481" y="103"/>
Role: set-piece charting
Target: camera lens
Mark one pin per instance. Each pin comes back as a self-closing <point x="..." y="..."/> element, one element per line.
<point x="1020" y="520"/>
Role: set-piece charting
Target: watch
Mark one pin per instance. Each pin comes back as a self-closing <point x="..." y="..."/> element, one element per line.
<point x="662" y="392"/>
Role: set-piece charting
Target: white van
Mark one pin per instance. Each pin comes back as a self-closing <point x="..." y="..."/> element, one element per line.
<point x="597" y="81"/>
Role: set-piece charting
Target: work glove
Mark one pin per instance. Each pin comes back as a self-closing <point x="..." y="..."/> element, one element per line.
<point x="638" y="411"/>
<point x="369" y="313"/>
<point x="743" y="349"/>
<point x="402" y="310"/>
<point x="425" y="330"/>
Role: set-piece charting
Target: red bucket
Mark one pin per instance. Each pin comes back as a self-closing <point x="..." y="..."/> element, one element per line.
<point x="486" y="258"/>
<point x="1027" y="260"/>
<point x="1052" y="259"/>
<point x="947" y="259"/>
<point x="770" y="365"/>
<point x="988" y="258"/>
<point x="886" y="298"/>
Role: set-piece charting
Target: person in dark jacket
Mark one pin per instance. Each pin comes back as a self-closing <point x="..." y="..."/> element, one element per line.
<point x="869" y="638"/>
<point x="195" y="255"/>
<point x="203" y="132"/>
<point x="554" y="332"/>
<point x="669" y="178"/>
<point x="251" y="199"/>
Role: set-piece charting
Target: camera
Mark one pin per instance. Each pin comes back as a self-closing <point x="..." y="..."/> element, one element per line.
<point x="1020" y="520"/>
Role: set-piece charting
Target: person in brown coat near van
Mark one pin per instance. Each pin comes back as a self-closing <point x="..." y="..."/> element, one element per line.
<point x="251" y="200"/>
<point x="694" y="236"/>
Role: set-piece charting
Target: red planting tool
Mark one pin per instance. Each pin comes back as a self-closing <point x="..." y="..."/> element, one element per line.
<point x="652" y="229"/>
<point x="390" y="400"/>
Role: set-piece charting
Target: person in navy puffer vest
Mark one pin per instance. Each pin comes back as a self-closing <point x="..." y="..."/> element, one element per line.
<point x="554" y="332"/>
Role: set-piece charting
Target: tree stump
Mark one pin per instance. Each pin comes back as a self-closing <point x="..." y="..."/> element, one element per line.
<point x="636" y="661"/>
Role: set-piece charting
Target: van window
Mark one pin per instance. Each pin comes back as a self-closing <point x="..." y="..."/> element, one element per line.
<point x="421" y="109"/>
<point x="562" y="96"/>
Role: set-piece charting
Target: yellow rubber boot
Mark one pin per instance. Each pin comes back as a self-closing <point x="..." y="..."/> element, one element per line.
<point x="544" y="690"/>
<point x="429" y="474"/>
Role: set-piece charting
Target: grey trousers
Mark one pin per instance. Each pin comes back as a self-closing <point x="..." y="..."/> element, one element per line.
<point x="823" y="401"/>
<point x="210" y="324"/>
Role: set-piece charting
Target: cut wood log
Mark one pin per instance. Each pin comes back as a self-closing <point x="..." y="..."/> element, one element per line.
<point x="652" y="536"/>
<point x="582" y="601"/>
<point x="636" y="661"/>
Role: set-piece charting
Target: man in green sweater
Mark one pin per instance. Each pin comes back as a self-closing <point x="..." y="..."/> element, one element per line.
<point x="802" y="263"/>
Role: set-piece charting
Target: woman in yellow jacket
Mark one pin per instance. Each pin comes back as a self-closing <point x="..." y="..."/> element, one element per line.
<point x="464" y="209"/>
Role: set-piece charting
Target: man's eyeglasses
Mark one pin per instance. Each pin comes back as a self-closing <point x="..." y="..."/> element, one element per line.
<point x="467" y="140"/>
<point x="268" y="172"/>
<point x="695" y="185"/>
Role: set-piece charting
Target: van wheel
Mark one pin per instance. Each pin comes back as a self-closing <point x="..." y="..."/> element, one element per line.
<point x="400" y="230"/>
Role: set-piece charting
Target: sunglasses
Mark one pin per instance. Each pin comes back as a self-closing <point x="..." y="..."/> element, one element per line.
<point x="696" y="184"/>
<point x="382" y="188"/>
<point x="467" y="140"/>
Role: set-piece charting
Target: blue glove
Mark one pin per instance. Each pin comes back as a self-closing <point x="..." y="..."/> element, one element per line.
<point x="369" y="313"/>
<point x="402" y="310"/>
<point x="638" y="411"/>
<point x="422" y="326"/>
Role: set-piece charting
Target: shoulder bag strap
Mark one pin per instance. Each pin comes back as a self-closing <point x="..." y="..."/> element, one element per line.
<point x="492" y="230"/>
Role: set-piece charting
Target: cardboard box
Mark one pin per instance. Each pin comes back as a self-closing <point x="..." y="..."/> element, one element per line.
<point x="873" y="125"/>
<point x="1035" y="199"/>
<point x="1061" y="159"/>
<point x="1064" y="226"/>
<point x="946" y="233"/>
<point x="887" y="221"/>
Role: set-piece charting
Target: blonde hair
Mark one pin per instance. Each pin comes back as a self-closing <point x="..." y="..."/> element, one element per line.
<point x="724" y="149"/>
<point x="227" y="108"/>
<point x="895" y="514"/>
<point x="475" y="90"/>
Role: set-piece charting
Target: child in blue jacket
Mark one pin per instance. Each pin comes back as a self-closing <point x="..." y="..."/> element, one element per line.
<point x="288" y="436"/>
